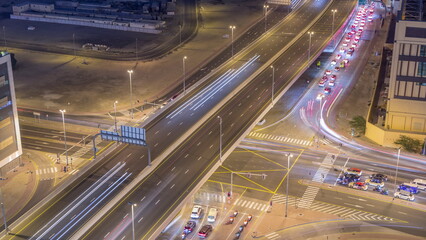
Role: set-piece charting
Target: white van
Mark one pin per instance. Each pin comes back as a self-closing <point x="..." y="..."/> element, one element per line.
<point x="421" y="184"/>
<point x="212" y="215"/>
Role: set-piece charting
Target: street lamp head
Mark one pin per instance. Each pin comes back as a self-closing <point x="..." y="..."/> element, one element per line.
<point x="272" y="66"/>
<point x="62" y="111"/>
<point x="334" y="10"/>
<point x="116" y="102"/>
<point x="311" y="33"/>
<point x="130" y="71"/>
<point x="266" y="6"/>
<point x="185" y="57"/>
<point x="289" y="155"/>
<point x="232" y="27"/>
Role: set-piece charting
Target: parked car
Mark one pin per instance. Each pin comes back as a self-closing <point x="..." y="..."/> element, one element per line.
<point x="355" y="171"/>
<point x="196" y="211"/>
<point x="348" y="178"/>
<point x="379" y="175"/>
<point x="376" y="182"/>
<point x="409" y="187"/>
<point x="404" y="195"/>
<point x="358" y="185"/>
<point x="190" y="226"/>
<point x="205" y="231"/>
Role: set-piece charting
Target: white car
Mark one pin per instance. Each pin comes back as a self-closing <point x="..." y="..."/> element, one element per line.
<point x="333" y="62"/>
<point x="196" y="212"/>
<point x="404" y="195"/>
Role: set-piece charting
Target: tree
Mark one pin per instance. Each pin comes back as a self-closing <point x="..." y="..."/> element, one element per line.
<point x="359" y="123"/>
<point x="409" y="144"/>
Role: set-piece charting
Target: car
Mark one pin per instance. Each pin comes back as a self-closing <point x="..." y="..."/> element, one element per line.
<point x="370" y="18"/>
<point x="356" y="22"/>
<point x="376" y="182"/>
<point x="338" y="56"/>
<point x="320" y="96"/>
<point x="196" y="211"/>
<point x="361" y="27"/>
<point x="349" y="54"/>
<point x="336" y="69"/>
<point x="421" y="183"/>
<point x="332" y="83"/>
<point x="324" y="78"/>
<point x="360" y="30"/>
<point x="327" y="90"/>
<point x="333" y="62"/>
<point x="333" y="77"/>
<point x="328" y="72"/>
<point x="342" y="64"/>
<point x="347" y="39"/>
<point x="354" y="45"/>
<point x="348" y="178"/>
<point x="345" y="44"/>
<point x="190" y="226"/>
<point x="342" y="50"/>
<point x="212" y="215"/>
<point x="205" y="231"/>
<point x="409" y="187"/>
<point x="355" y="171"/>
<point x="346" y="61"/>
<point x="379" y="175"/>
<point x="356" y="40"/>
<point x="404" y="195"/>
<point x="358" y="185"/>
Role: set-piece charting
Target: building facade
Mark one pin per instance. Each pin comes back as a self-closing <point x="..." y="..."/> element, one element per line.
<point x="406" y="106"/>
<point x="10" y="137"/>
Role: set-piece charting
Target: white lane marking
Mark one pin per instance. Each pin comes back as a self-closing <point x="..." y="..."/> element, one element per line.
<point x="157" y="201"/>
<point x="402" y="213"/>
<point x="199" y="158"/>
<point x="158" y="183"/>
<point x="155" y="144"/>
<point x="187" y="170"/>
<point x="172" y="186"/>
<point x="142" y="156"/>
<point x="354" y="205"/>
<point x="186" y="155"/>
<point x="359" y="199"/>
<point x="211" y="146"/>
<point x="140" y="220"/>
<point x="156" y="132"/>
<point x="130" y="154"/>
<point x="143" y="198"/>
<point x="370" y="205"/>
<point x="173" y="168"/>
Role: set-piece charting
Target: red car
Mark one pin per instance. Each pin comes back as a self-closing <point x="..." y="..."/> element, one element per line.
<point x="358" y="185"/>
<point x="190" y="226"/>
<point x="205" y="231"/>
<point x="355" y="171"/>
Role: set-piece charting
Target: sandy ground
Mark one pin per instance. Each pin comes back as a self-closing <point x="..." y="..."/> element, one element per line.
<point x="50" y="82"/>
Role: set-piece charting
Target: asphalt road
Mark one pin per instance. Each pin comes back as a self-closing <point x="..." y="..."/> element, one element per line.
<point x="136" y="161"/>
<point x="157" y="194"/>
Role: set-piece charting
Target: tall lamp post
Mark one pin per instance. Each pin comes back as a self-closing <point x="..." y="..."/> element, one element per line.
<point x="115" y="115"/>
<point x="266" y="6"/>
<point x="133" y="219"/>
<point x="184" y="74"/>
<point x="131" y="93"/>
<point x="65" y="135"/>
<point x="397" y="166"/>
<point x="273" y="84"/>
<point x="332" y="25"/>
<point x="288" y="178"/>
<point x="232" y="27"/>
<point x="220" y="139"/>
<point x="309" y="48"/>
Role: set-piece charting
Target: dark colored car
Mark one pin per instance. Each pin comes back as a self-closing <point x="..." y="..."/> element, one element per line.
<point x="190" y="226"/>
<point x="348" y="178"/>
<point x="205" y="231"/>
<point x="379" y="175"/>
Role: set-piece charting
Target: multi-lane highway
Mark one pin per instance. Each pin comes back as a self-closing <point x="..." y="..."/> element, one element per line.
<point x="175" y="174"/>
<point x="163" y="190"/>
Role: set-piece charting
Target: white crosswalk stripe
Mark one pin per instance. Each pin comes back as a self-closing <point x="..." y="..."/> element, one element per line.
<point x="272" y="236"/>
<point x="303" y="142"/>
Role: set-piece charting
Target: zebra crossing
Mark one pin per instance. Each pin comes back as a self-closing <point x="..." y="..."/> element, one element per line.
<point x="311" y="192"/>
<point x="348" y="213"/>
<point x="252" y="205"/>
<point x="280" y="138"/>
<point x="272" y="236"/>
<point x="343" y="212"/>
<point x="46" y="173"/>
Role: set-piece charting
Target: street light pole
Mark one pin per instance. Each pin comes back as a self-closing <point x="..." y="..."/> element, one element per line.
<point x="115" y="115"/>
<point x="232" y="40"/>
<point x="184" y="74"/>
<point x="133" y="219"/>
<point x="265" y="7"/>
<point x="309" y="48"/>
<point x="332" y="25"/>
<point x="65" y="135"/>
<point x="288" y="178"/>
<point x="220" y="139"/>
<point x="273" y="83"/>
<point x="131" y="93"/>
<point x="397" y="166"/>
<point x="73" y="43"/>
